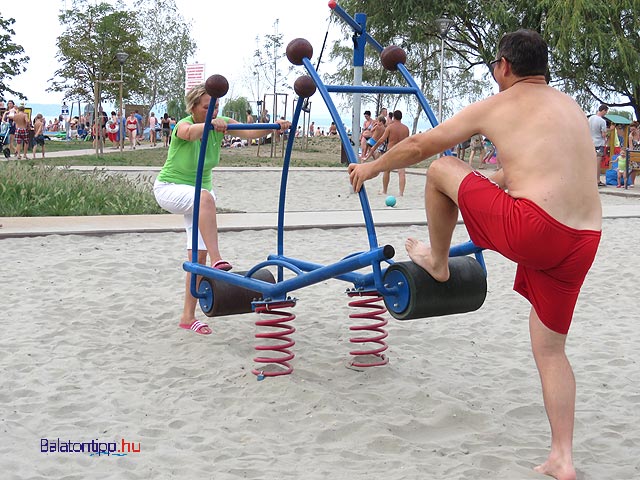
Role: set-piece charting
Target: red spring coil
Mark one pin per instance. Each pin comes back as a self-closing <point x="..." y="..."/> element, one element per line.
<point x="377" y="310"/>
<point x="282" y="330"/>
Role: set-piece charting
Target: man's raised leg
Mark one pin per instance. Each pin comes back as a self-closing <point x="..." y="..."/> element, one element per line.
<point x="441" y="203"/>
<point x="559" y="394"/>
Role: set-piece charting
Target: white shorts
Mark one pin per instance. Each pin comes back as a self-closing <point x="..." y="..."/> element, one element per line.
<point x="176" y="198"/>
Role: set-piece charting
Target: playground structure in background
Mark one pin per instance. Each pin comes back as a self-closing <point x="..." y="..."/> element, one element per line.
<point x="408" y="291"/>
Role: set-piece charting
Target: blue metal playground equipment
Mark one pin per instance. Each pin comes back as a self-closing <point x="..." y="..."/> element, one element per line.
<point x="407" y="290"/>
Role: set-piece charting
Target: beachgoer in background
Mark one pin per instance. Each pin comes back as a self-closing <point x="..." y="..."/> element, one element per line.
<point x="394" y="133"/>
<point x="367" y="126"/>
<point x="140" y="129"/>
<point x="153" y="121"/>
<point x="8" y="117"/>
<point x="132" y="130"/>
<point x="22" y="132"/>
<point x="598" y="128"/>
<point x="166" y="130"/>
<point x="379" y="127"/>
<point x="38" y="134"/>
<point x="112" y="129"/>
<point x="477" y="148"/>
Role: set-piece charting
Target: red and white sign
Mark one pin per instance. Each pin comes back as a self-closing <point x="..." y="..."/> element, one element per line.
<point x="194" y="75"/>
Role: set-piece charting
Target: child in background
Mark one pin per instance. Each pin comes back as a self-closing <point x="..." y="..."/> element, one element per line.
<point x="622" y="169"/>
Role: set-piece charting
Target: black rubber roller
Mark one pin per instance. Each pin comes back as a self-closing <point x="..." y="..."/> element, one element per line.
<point x="223" y="298"/>
<point x="419" y="295"/>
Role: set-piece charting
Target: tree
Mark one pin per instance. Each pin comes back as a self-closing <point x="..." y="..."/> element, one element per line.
<point x="268" y="55"/>
<point x="87" y="52"/>
<point x="236" y="108"/>
<point x="12" y="59"/>
<point x="163" y="78"/>
<point x="596" y="50"/>
<point x="594" y="44"/>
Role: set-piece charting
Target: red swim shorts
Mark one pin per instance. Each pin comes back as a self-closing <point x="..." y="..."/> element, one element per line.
<point x="552" y="259"/>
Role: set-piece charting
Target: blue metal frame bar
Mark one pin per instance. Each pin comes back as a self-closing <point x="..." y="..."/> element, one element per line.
<point x="278" y="291"/>
<point x="284" y="179"/>
<point x="364" y="200"/>
<point x="357" y="28"/>
<point x="199" y="174"/>
<point x="359" y="280"/>
<point x="198" y="188"/>
<point x="370" y="89"/>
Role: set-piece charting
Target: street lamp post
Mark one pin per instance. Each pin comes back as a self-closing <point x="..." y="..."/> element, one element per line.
<point x="122" y="57"/>
<point x="443" y="24"/>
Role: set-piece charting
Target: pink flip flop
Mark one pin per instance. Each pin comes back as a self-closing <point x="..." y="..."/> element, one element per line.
<point x="197" y="327"/>
<point x="222" y="265"/>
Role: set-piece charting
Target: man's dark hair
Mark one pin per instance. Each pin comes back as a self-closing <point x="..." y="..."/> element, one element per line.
<point x="397" y="115"/>
<point x="526" y="51"/>
<point x="603" y="108"/>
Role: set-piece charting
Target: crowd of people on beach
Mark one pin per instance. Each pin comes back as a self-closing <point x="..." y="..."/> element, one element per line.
<point x="20" y="132"/>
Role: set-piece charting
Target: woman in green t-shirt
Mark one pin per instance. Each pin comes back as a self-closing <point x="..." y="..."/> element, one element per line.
<point x="174" y="188"/>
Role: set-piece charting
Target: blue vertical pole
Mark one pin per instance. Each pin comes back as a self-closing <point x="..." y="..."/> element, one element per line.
<point x="198" y="189"/>
<point x="284" y="179"/>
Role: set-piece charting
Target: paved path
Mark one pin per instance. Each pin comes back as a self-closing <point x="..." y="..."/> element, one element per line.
<point x="111" y="224"/>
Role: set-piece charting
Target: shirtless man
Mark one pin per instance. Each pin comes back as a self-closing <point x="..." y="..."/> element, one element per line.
<point x="22" y="132"/>
<point x="551" y="231"/>
<point x="395" y="132"/>
<point x="38" y="134"/>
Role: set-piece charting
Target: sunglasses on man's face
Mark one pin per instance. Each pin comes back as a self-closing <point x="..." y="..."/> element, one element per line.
<point x="493" y="63"/>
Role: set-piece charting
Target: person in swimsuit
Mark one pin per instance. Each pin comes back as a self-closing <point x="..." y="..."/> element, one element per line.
<point x="132" y="129"/>
<point x="552" y="232"/>
<point x="367" y="128"/>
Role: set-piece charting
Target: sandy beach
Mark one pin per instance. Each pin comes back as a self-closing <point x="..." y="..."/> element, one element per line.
<point x="91" y="351"/>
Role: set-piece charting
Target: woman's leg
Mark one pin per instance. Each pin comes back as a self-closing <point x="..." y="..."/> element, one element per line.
<point x="208" y="225"/>
<point x="190" y="302"/>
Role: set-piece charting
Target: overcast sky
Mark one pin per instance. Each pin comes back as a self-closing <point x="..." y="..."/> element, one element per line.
<point x="226" y="38"/>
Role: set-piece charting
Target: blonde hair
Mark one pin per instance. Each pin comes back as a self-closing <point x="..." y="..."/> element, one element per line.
<point x="193" y="96"/>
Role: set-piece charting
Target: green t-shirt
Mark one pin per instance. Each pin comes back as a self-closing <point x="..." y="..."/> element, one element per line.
<point x="182" y="159"/>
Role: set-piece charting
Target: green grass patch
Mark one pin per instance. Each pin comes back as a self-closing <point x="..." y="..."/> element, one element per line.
<point x="64" y="145"/>
<point x="30" y="190"/>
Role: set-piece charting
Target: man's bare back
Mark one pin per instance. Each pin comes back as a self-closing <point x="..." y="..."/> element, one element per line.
<point x="20" y="119"/>
<point x="398" y="131"/>
<point x="530" y="122"/>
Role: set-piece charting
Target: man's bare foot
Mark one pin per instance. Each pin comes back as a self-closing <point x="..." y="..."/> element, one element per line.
<point x="420" y="254"/>
<point x="557" y="470"/>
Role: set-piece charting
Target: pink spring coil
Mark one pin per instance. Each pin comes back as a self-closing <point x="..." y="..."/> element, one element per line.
<point x="282" y="330"/>
<point x="377" y="309"/>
